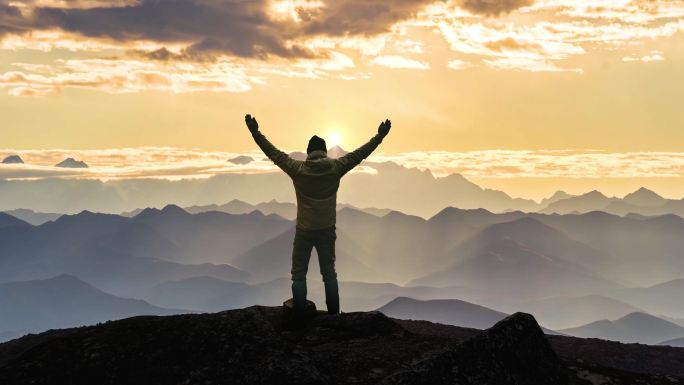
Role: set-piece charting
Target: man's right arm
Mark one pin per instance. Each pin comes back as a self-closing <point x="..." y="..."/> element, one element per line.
<point x="278" y="157"/>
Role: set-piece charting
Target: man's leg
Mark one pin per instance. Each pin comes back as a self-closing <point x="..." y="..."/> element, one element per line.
<point x="301" y="253"/>
<point x="325" y="247"/>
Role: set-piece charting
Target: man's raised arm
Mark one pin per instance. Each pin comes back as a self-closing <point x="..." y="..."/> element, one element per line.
<point x="351" y="160"/>
<point x="278" y="157"/>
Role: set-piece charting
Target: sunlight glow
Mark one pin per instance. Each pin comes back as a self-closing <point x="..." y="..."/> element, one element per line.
<point x="334" y="139"/>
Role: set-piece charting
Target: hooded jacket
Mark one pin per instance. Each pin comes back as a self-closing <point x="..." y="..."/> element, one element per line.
<point x="316" y="179"/>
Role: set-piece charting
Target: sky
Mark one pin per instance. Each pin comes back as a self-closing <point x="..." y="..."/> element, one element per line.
<point x="521" y="95"/>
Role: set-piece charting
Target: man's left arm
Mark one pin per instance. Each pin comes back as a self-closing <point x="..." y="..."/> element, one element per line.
<point x="354" y="158"/>
<point x="278" y="157"/>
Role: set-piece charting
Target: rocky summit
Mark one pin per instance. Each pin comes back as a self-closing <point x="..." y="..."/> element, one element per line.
<point x="256" y="346"/>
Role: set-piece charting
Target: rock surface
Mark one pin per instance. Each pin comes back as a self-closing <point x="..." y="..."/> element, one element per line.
<point x="513" y="351"/>
<point x="252" y="346"/>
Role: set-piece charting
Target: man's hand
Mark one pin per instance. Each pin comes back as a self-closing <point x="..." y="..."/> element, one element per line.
<point x="251" y="123"/>
<point x="384" y="128"/>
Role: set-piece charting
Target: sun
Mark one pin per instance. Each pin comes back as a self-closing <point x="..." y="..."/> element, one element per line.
<point x="334" y="139"/>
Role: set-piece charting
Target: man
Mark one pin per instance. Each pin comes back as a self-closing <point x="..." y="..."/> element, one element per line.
<point x="316" y="181"/>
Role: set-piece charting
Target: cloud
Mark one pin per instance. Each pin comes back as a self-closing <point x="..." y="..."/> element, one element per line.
<point x="458" y="64"/>
<point x="174" y="163"/>
<point x="316" y="39"/>
<point x="653" y="56"/>
<point x="544" y="33"/>
<point x="359" y="17"/>
<point x="125" y="76"/>
<point x="10" y="19"/>
<point x="255" y="28"/>
<point x="545" y="164"/>
<point x="493" y="7"/>
<point x="395" y="61"/>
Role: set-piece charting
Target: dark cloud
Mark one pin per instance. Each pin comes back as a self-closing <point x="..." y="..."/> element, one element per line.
<point x="243" y="28"/>
<point x="354" y="17"/>
<point x="237" y="27"/>
<point x="494" y="7"/>
<point x="11" y="20"/>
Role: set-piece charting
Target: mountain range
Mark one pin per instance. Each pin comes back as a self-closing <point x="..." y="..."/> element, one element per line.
<point x="642" y="202"/>
<point x="63" y="301"/>
<point x="634" y="327"/>
<point x="590" y="267"/>
<point x="421" y="192"/>
<point x="444" y="311"/>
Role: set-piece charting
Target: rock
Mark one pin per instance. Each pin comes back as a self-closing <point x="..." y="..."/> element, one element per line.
<point x="512" y="352"/>
<point x="71" y="163"/>
<point x="293" y="318"/>
<point x="13" y="159"/>
<point x="238" y="347"/>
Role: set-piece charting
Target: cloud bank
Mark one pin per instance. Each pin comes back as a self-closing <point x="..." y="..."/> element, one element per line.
<point x="231" y="45"/>
<point x="174" y="163"/>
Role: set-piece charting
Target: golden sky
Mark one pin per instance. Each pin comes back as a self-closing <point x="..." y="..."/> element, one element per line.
<point x="468" y="77"/>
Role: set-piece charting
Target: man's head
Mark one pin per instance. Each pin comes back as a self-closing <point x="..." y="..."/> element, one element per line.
<point x="316" y="144"/>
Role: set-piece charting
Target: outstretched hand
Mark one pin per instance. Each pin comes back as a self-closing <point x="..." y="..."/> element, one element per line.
<point x="384" y="128"/>
<point x="252" y="123"/>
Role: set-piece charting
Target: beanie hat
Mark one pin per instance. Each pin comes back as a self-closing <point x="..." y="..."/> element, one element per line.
<point x="316" y="144"/>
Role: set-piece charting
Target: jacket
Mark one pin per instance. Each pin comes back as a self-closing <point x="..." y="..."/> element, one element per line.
<point x="316" y="180"/>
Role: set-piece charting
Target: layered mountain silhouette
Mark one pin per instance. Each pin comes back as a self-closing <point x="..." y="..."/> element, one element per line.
<point x="273" y="259"/>
<point x="445" y="311"/>
<point x="589" y="266"/>
<point x="634" y="327"/>
<point x="121" y="255"/>
<point x="567" y="312"/>
<point x="286" y="210"/>
<point x="252" y="346"/>
<point x="9" y="221"/>
<point x="591" y="201"/>
<point x="643" y="202"/>
<point x="421" y="192"/>
<point x="677" y="342"/>
<point x="63" y="301"/>
<point x="657" y="299"/>
<point x="32" y="217"/>
<point x="525" y="257"/>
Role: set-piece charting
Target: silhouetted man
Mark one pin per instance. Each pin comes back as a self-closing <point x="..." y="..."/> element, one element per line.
<point x="316" y="181"/>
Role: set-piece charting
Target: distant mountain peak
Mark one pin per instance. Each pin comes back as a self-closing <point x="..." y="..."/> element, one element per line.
<point x="336" y="152"/>
<point x="644" y="197"/>
<point x="173" y="209"/>
<point x="524" y="222"/>
<point x="71" y="163"/>
<point x="594" y="194"/>
<point x="241" y="159"/>
<point x="66" y="279"/>
<point x="557" y="196"/>
<point x="13" y="159"/>
<point x="298" y="155"/>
